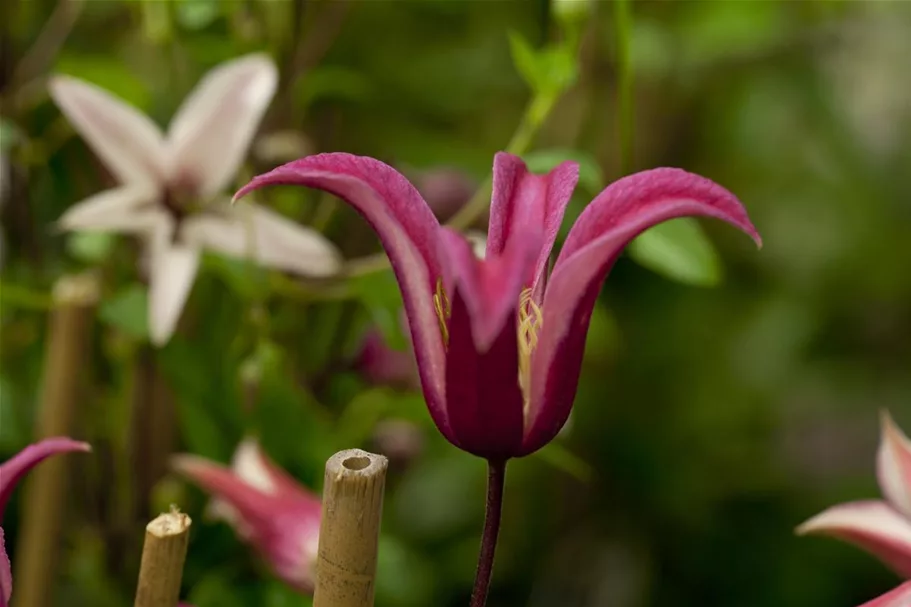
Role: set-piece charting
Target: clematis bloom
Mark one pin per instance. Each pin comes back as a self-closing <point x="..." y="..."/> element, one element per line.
<point x="499" y="341"/>
<point x="11" y="472"/>
<point x="169" y="185"/>
<point x="267" y="508"/>
<point x="881" y="527"/>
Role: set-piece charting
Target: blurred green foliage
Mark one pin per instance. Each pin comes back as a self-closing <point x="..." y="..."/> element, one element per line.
<point x="709" y="422"/>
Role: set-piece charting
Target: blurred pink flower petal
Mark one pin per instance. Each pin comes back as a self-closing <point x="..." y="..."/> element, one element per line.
<point x="898" y="597"/>
<point x="893" y="465"/>
<point x="11" y="472"/>
<point x="872" y="525"/>
<point x="6" y="576"/>
<point x="883" y="528"/>
<point x="162" y="180"/>
<point x="267" y="508"/>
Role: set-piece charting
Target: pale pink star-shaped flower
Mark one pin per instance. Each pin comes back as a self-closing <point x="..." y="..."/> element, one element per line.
<point x="170" y="184"/>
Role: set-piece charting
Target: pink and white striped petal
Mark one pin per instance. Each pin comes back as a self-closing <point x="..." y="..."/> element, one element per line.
<point x="893" y="465"/>
<point x="897" y="597"/>
<point x="872" y="525"/>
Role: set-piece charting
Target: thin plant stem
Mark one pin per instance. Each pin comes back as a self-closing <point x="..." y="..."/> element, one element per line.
<point x="625" y="110"/>
<point x="496" y="477"/>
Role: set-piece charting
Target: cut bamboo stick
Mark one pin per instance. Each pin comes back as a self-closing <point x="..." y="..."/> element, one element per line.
<point x="163" y="556"/>
<point x="75" y="298"/>
<point x="350" y="529"/>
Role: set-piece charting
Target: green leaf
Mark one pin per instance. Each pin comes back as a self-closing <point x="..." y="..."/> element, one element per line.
<point x="128" y="311"/>
<point x="525" y="58"/>
<point x="590" y="176"/>
<point x="679" y="250"/>
<point x="548" y="71"/>
<point x="9" y="134"/>
<point x="332" y="82"/>
<point x="563" y="459"/>
<point x="197" y="14"/>
<point x="90" y="247"/>
<point x="107" y="72"/>
<point x="404" y="578"/>
<point x="243" y="276"/>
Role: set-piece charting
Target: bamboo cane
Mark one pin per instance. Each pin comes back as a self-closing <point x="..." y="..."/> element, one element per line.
<point x="163" y="556"/>
<point x="349" y="529"/>
<point x="75" y="298"/>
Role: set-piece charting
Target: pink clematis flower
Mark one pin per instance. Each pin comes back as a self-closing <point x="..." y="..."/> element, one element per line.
<point x="882" y="527"/>
<point x="267" y="508"/>
<point x="499" y="341"/>
<point x="11" y="472"/>
<point x="169" y="185"/>
<point x="897" y="597"/>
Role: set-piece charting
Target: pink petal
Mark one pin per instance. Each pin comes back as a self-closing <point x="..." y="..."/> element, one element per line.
<point x="14" y="469"/>
<point x="485" y="401"/>
<point x="6" y="576"/>
<point x="211" y="132"/>
<point x="490" y="288"/>
<point x="253" y="466"/>
<point x="523" y="201"/>
<point x="283" y="528"/>
<point x="873" y="525"/>
<point x="123" y="209"/>
<point x="622" y="211"/>
<point x="382" y="365"/>
<point x="247" y="230"/>
<point x="893" y="465"/>
<point x="897" y="597"/>
<point x="127" y="142"/>
<point x="482" y="388"/>
<point x="172" y="269"/>
<point x="408" y="231"/>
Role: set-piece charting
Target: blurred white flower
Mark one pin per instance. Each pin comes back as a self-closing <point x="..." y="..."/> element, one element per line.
<point x="170" y="183"/>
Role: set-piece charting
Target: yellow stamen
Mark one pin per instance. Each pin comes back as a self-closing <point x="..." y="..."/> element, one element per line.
<point x="443" y="309"/>
<point x="530" y="321"/>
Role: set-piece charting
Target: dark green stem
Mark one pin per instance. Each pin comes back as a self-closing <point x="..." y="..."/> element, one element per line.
<point x="496" y="476"/>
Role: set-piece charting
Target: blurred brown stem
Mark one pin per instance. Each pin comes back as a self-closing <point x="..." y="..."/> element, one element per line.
<point x="75" y="299"/>
<point x="153" y="430"/>
<point x="350" y="529"/>
<point x="163" y="556"/>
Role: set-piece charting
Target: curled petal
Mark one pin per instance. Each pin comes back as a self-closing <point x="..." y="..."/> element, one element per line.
<point x="490" y="288"/>
<point x="212" y="130"/>
<point x="621" y="212"/>
<point x="122" y="209"/>
<point x="14" y="469"/>
<point x="251" y="231"/>
<point x="408" y="231"/>
<point x="6" y="576"/>
<point x="173" y="267"/>
<point x="873" y="525"/>
<point x="897" y="597"/>
<point x="283" y="527"/>
<point x="129" y="144"/>
<point x="893" y="465"/>
<point x="523" y="201"/>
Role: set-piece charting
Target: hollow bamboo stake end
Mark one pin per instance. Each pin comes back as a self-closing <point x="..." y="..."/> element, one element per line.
<point x="349" y="529"/>
<point x="163" y="556"/>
